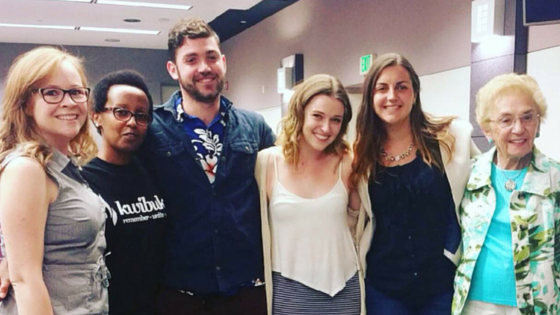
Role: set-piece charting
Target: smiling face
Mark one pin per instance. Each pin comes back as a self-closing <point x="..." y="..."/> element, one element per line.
<point x="322" y="122"/>
<point x="200" y="68"/>
<point x="393" y="96"/>
<point x="61" y="122"/>
<point x="121" y="138"/>
<point x="516" y="141"/>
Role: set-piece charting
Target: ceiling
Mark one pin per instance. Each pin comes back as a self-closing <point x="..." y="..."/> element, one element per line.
<point x="227" y="17"/>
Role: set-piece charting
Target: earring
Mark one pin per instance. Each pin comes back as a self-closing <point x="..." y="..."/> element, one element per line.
<point x="490" y="141"/>
<point x="538" y="134"/>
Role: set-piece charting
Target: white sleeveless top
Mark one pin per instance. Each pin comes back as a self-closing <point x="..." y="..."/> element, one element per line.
<point x="311" y="241"/>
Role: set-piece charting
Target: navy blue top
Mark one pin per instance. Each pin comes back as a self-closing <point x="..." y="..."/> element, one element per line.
<point x="412" y="205"/>
<point x="213" y="237"/>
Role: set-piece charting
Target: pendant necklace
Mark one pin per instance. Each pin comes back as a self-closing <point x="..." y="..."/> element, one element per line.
<point x="510" y="184"/>
<point x="393" y="158"/>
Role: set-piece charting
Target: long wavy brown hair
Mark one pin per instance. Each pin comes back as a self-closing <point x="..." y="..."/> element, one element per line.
<point x="428" y="132"/>
<point x="17" y="125"/>
<point x="292" y="124"/>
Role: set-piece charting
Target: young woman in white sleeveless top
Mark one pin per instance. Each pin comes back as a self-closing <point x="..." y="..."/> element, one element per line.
<point x="311" y="265"/>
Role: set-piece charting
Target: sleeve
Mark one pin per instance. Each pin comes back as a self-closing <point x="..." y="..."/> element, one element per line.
<point x="267" y="136"/>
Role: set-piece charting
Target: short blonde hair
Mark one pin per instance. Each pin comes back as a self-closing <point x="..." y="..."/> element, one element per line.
<point x="292" y="124"/>
<point x="17" y="126"/>
<point x="504" y="84"/>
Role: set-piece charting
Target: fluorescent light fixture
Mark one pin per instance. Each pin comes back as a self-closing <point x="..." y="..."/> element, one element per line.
<point x="118" y="30"/>
<point x="84" y="28"/>
<point x="58" y="27"/>
<point x="146" y="4"/>
<point x="487" y="19"/>
<point x="88" y="1"/>
<point x="135" y="4"/>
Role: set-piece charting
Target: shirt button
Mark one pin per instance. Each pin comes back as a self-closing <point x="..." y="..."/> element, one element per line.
<point x="216" y="231"/>
<point x="416" y="274"/>
<point x="412" y="255"/>
<point x="247" y="148"/>
<point x="409" y="237"/>
<point x="218" y="268"/>
<point x="168" y="153"/>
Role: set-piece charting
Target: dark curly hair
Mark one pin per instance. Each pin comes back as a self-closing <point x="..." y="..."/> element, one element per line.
<point x="124" y="77"/>
<point x="192" y="28"/>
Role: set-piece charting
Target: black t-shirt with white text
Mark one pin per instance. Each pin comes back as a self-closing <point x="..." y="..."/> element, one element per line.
<point x="135" y="223"/>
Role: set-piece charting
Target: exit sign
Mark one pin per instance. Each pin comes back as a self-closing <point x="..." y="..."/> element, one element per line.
<point x="365" y="63"/>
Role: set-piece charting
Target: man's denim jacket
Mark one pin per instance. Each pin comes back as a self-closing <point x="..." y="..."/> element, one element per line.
<point x="213" y="243"/>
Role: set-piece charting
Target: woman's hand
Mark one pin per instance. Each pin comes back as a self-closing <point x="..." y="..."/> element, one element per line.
<point x="5" y="282"/>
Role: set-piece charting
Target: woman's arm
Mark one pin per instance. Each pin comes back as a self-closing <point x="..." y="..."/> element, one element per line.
<point x="25" y="194"/>
<point x="354" y="202"/>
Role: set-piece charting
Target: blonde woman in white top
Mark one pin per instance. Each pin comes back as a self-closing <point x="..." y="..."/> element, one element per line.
<point x="311" y="265"/>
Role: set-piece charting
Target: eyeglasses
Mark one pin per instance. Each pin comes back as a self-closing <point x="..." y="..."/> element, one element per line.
<point x="122" y="114"/>
<point x="508" y="121"/>
<point x="55" y="95"/>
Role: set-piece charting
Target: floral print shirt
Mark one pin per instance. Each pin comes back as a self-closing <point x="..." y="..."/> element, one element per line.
<point x="206" y="139"/>
<point x="535" y="219"/>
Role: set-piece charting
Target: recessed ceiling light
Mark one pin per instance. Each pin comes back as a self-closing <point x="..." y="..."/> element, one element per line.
<point x="132" y="20"/>
<point x="112" y="40"/>
<point x="84" y="28"/>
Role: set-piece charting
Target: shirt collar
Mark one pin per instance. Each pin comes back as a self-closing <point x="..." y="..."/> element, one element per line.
<point x="536" y="181"/>
<point x="180" y="114"/>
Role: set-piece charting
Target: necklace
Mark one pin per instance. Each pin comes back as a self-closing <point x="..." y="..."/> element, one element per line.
<point x="393" y="158"/>
<point x="510" y="182"/>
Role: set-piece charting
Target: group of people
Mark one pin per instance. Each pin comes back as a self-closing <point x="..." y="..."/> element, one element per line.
<point x="189" y="208"/>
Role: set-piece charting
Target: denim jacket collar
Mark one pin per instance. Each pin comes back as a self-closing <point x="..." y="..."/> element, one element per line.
<point x="225" y="104"/>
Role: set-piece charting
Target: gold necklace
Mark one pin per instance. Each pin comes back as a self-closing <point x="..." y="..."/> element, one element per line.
<point x="393" y="158"/>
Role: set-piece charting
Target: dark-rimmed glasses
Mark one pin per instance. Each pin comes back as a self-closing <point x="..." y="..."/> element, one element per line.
<point x="123" y="114"/>
<point x="56" y="95"/>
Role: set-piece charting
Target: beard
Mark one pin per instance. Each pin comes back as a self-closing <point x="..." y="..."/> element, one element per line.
<point x="197" y="95"/>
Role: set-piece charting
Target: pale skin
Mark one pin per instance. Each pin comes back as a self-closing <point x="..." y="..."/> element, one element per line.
<point x="393" y="100"/>
<point x="199" y="62"/>
<point x="316" y="172"/>
<point x="26" y="193"/>
<point x="23" y="217"/>
<point x="513" y="144"/>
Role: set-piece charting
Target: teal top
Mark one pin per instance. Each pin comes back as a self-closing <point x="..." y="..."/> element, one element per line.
<point x="493" y="279"/>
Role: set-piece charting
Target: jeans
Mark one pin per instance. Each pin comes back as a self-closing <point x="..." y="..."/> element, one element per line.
<point x="378" y="303"/>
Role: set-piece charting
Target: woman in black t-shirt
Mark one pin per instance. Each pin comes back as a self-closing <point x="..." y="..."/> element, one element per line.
<point x="122" y="112"/>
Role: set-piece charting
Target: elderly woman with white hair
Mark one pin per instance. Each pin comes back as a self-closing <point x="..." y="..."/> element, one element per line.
<point x="510" y="211"/>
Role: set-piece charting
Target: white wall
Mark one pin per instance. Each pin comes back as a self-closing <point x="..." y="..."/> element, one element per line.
<point x="544" y="66"/>
<point x="272" y="116"/>
<point x="447" y="93"/>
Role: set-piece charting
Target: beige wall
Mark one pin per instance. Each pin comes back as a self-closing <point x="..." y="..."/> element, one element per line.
<point x="333" y="34"/>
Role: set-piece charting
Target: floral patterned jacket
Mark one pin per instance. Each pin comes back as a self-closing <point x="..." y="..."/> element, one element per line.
<point x="535" y="219"/>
